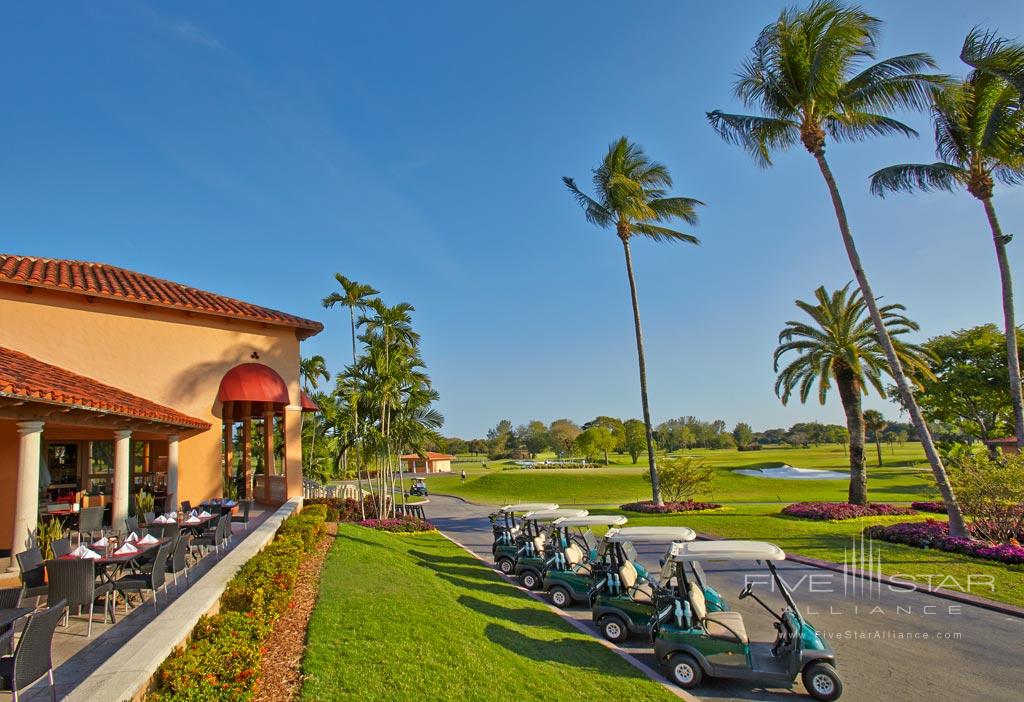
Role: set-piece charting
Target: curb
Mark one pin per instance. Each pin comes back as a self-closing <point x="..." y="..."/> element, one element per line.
<point x="621" y="653"/>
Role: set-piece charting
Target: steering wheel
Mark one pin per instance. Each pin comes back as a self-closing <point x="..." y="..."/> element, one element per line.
<point x="747" y="589"/>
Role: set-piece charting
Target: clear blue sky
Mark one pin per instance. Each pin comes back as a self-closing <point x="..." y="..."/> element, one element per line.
<point x="254" y="149"/>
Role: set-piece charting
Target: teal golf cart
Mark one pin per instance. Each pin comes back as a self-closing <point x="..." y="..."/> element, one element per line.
<point x="568" y="575"/>
<point x="692" y="642"/>
<point x="506" y="524"/>
<point x="537" y="548"/>
<point x="623" y="602"/>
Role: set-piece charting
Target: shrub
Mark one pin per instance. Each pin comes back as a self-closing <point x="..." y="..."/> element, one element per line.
<point x="991" y="493"/>
<point x="347" y="509"/>
<point x="682" y="478"/>
<point x="838" y="511"/>
<point x="936" y="507"/>
<point x="935" y="534"/>
<point x="750" y="447"/>
<point x="400" y="525"/>
<point x="648" y="507"/>
<point x="222" y="661"/>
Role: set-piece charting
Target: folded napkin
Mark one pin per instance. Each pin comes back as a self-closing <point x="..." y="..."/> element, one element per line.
<point x="132" y="538"/>
<point x="148" y="539"/>
<point x="101" y="543"/>
<point x="204" y="514"/>
<point x="126" y="550"/>
<point x="193" y="520"/>
<point x="172" y="516"/>
<point x="161" y="520"/>
<point x="83" y="552"/>
<point x="193" y="513"/>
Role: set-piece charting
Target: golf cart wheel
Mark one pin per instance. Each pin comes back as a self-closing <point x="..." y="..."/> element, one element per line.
<point x="614" y="629"/>
<point x="505" y="566"/>
<point x="530" y="580"/>
<point x="822" y="682"/>
<point x="685" y="671"/>
<point x="559" y="596"/>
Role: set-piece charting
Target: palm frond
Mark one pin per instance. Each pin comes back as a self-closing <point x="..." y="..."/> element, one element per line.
<point x="595" y="212"/>
<point x="986" y="51"/>
<point x="758" y="136"/>
<point x="653" y="231"/>
<point x="908" y="177"/>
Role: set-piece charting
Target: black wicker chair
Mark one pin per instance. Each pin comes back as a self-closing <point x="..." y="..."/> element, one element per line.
<point x="211" y="537"/>
<point x="186" y="506"/>
<point x="243" y="518"/>
<point x="178" y="563"/>
<point x="33" y="576"/>
<point x="149" y="517"/>
<point x="61" y="547"/>
<point x="131" y="524"/>
<point x="32" y="658"/>
<point x="74" y="580"/>
<point x="90" y="522"/>
<point x="10" y="598"/>
<point x="153" y="580"/>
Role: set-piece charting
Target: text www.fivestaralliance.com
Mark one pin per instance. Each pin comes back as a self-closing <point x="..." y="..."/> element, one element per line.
<point x="892" y="635"/>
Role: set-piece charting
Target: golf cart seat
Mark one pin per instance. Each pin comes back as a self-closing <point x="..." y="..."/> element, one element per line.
<point x="574" y="560"/>
<point x="638" y="591"/>
<point x="538" y="545"/>
<point x="727" y="626"/>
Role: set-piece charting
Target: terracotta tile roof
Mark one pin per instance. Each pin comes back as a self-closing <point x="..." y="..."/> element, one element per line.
<point x="111" y="282"/>
<point x="22" y="376"/>
<point x="432" y="455"/>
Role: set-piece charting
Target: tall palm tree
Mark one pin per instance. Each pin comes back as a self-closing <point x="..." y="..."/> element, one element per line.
<point x="979" y="138"/>
<point x="840" y="345"/>
<point x="806" y="76"/>
<point x="312" y="370"/>
<point x="632" y="198"/>
<point x="875" y="423"/>
<point x="1002" y="57"/>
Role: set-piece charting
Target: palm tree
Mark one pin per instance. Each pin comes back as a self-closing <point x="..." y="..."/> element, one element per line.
<point x="632" y="199"/>
<point x="311" y="371"/>
<point x="840" y="345"/>
<point x="979" y="138"/>
<point x="992" y="54"/>
<point x="803" y="75"/>
<point x="876" y="424"/>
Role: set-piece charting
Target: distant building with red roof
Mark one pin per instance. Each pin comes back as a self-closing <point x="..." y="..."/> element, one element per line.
<point x="429" y="462"/>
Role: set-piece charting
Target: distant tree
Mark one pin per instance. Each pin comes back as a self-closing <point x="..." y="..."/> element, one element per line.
<point x="634" y="438"/>
<point x="683" y="478"/>
<point x="875" y="423"/>
<point x="595" y="441"/>
<point x="772" y="436"/>
<point x="632" y="198"/>
<point x="477" y="446"/>
<point x="500" y="438"/>
<point x="612" y="424"/>
<point x="563" y="434"/>
<point x="454" y="444"/>
<point x="721" y="441"/>
<point x="534" y="436"/>
<point x="743" y="434"/>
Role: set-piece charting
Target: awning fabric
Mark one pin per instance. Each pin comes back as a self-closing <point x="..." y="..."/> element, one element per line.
<point x="253" y="382"/>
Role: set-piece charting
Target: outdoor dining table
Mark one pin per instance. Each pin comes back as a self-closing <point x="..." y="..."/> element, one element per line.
<point x="9" y="616"/>
<point x="109" y="567"/>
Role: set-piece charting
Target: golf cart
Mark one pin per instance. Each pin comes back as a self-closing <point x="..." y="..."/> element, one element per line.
<point x="623" y="601"/>
<point x="537" y="548"/>
<point x="567" y="577"/>
<point x="692" y="641"/>
<point x="508" y="533"/>
<point x="419" y="488"/>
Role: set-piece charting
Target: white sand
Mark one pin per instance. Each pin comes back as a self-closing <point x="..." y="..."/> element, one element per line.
<point x="785" y="472"/>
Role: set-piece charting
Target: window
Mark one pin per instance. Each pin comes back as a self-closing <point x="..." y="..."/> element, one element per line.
<point x="62" y="462"/>
<point x="101" y="466"/>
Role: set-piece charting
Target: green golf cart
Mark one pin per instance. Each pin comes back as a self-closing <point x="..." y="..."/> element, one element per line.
<point x="506" y="524"/>
<point x="419" y="488"/>
<point x="568" y="575"/>
<point x="624" y="603"/>
<point x="693" y="642"/>
<point x="537" y="547"/>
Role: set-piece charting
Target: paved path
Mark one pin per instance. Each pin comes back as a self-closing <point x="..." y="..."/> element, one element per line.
<point x="982" y="663"/>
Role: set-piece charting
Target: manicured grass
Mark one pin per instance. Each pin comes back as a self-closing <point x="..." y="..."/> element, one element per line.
<point x="827" y="541"/>
<point x="416" y="618"/>
<point x="904" y="477"/>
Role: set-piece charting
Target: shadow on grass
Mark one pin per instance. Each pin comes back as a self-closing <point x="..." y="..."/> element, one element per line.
<point x="437" y="558"/>
<point x="496" y="587"/>
<point x="579" y="653"/>
<point x="530" y="616"/>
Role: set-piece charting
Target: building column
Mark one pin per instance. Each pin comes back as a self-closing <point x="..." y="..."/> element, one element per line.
<point x="293" y="451"/>
<point x="247" y="455"/>
<point x="268" y="453"/>
<point x="26" y="506"/>
<point x="122" y="461"/>
<point x="229" y="449"/>
<point x="172" y="474"/>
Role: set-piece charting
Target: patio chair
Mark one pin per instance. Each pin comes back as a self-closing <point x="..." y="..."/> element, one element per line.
<point x="186" y="506"/>
<point x="154" y="580"/>
<point x="61" y="547"/>
<point x="243" y="518"/>
<point x="90" y="521"/>
<point x="32" y="658"/>
<point x="149" y="517"/>
<point x="131" y="524"/>
<point x="33" y="576"/>
<point x="74" y="581"/>
<point x="176" y="562"/>
<point x="208" y="538"/>
<point x="10" y="598"/>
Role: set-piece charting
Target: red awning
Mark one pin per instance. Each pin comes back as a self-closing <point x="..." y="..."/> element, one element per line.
<point x="253" y="382"/>
<point x="308" y="403"/>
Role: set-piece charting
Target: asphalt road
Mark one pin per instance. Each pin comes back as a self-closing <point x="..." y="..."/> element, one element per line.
<point x="892" y="644"/>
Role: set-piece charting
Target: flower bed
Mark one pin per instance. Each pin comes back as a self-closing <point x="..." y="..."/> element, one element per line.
<point x="935" y="534"/>
<point x="838" y="511"/>
<point x="399" y="525"/>
<point x="935" y="507"/>
<point x="221" y="662"/>
<point x="648" y="507"/>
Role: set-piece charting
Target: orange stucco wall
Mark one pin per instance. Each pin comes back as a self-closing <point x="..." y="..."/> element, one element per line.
<point x="162" y="355"/>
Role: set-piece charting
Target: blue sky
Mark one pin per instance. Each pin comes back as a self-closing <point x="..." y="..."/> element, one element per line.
<point x="254" y="149"/>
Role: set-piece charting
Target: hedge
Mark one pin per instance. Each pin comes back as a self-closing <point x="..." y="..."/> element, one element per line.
<point x="221" y="662"/>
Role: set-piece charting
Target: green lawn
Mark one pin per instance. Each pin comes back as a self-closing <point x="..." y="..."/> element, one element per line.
<point x="904" y="477"/>
<point x="416" y="618"/>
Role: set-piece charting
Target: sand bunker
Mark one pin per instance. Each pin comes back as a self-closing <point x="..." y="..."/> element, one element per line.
<point x="785" y="472"/>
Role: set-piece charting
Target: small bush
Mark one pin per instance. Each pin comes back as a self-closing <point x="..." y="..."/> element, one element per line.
<point x="648" y="507"/>
<point x="935" y="534"/>
<point x="935" y="507"/>
<point x="401" y="525"/>
<point x="991" y="493"/>
<point x="682" y="478"/>
<point x="838" y="511"/>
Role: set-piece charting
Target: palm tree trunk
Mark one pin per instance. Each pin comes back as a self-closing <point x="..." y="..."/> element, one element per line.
<point x="649" y="430"/>
<point x="1009" y="322"/>
<point x="849" y="393"/>
<point x="957" y="526"/>
<point x="878" y="448"/>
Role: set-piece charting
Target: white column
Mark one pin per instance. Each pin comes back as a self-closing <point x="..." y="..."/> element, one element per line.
<point x="26" y="506"/>
<point x="122" y="460"/>
<point x="172" y="473"/>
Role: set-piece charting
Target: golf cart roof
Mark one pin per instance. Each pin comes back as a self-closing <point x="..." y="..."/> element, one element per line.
<point x="592" y="520"/>
<point x="529" y="507"/>
<point x="650" y="534"/>
<point x="551" y="515"/>
<point x="727" y="551"/>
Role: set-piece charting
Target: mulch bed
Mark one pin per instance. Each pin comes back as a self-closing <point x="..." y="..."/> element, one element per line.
<point x="281" y="667"/>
